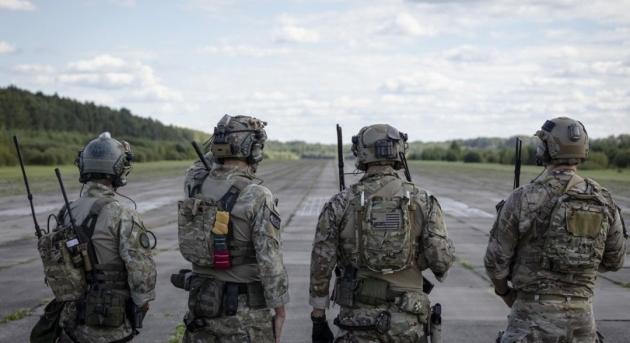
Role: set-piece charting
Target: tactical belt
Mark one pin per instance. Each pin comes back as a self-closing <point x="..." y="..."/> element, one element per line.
<point x="380" y="324"/>
<point x="532" y="297"/>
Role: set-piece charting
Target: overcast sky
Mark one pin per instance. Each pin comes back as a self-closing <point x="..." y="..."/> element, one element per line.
<point x="435" y="69"/>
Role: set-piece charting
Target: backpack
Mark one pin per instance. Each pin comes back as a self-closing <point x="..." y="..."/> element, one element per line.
<point x="575" y="238"/>
<point x="384" y="228"/>
<point x="65" y="260"/>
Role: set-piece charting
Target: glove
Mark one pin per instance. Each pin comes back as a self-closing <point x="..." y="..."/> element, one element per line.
<point x="321" y="330"/>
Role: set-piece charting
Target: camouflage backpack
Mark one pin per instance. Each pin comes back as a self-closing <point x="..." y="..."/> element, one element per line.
<point x="204" y="231"/>
<point x="575" y="238"/>
<point x="66" y="260"/>
<point x="384" y="227"/>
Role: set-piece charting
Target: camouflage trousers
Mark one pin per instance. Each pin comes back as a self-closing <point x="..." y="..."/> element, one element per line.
<point x="403" y="327"/>
<point x="551" y="321"/>
<point x="247" y="325"/>
<point x="74" y="333"/>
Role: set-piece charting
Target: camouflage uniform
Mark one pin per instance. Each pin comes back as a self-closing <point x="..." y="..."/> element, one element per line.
<point x="119" y="239"/>
<point x="255" y="221"/>
<point x="550" y="306"/>
<point x="334" y="245"/>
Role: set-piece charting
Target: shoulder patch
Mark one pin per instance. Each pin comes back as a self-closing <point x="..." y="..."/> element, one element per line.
<point x="274" y="219"/>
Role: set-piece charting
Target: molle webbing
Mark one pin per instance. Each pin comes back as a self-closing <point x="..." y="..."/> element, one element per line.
<point x="111" y="275"/>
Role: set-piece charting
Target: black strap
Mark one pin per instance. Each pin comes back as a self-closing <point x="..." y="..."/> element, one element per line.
<point x="92" y="218"/>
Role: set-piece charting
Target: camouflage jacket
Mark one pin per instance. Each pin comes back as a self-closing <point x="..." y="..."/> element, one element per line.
<point x="255" y="219"/>
<point x="333" y="240"/>
<point x="515" y="248"/>
<point x="119" y="238"/>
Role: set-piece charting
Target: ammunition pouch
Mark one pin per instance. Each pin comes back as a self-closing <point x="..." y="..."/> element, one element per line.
<point x="381" y="323"/>
<point x="206" y="297"/>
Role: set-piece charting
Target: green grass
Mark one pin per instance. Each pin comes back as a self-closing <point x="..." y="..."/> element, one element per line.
<point x="15" y="315"/>
<point x="42" y="178"/>
<point x="178" y="335"/>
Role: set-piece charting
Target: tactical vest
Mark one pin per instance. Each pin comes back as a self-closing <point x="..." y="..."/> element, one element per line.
<point x="575" y="239"/>
<point x="205" y="231"/>
<point x="382" y="223"/>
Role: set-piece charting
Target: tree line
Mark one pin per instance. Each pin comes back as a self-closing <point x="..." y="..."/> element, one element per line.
<point x="53" y="129"/>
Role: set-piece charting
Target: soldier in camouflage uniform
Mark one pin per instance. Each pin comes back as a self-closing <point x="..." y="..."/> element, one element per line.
<point x="229" y="229"/>
<point x="550" y="240"/>
<point x="122" y="282"/>
<point x="378" y="235"/>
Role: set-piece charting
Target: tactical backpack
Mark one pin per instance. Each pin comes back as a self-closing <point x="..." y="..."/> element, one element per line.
<point x="204" y="231"/>
<point x="575" y="238"/>
<point x="384" y="231"/>
<point x="66" y="260"/>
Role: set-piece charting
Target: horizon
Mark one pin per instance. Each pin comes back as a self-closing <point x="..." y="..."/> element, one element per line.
<point x="439" y="71"/>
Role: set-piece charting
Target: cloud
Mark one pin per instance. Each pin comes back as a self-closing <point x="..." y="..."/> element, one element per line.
<point x="469" y="54"/>
<point x="291" y="32"/>
<point x="407" y="25"/>
<point x="16" y="5"/>
<point x="243" y="51"/>
<point x="6" y="48"/>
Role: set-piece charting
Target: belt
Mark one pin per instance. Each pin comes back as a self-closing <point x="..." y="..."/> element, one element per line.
<point x="550" y="297"/>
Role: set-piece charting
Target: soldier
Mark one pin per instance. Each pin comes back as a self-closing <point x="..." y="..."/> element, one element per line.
<point x="229" y="228"/>
<point x="378" y="235"/>
<point x="550" y="239"/>
<point x="108" y="302"/>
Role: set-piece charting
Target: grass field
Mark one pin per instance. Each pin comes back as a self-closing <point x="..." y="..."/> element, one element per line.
<point x="42" y="178"/>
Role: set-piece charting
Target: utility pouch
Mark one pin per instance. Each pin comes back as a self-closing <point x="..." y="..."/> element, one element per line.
<point x="194" y="231"/>
<point x="105" y="308"/>
<point x="231" y="298"/>
<point x="63" y="264"/>
<point x="205" y="297"/>
<point x="372" y="292"/>
<point x="255" y="296"/>
<point x="416" y="303"/>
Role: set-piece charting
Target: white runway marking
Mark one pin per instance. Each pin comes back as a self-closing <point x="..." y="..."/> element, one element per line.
<point x="459" y="209"/>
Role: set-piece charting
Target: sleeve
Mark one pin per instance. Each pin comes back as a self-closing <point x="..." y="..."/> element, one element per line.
<point x="135" y="251"/>
<point x="267" y="243"/>
<point x="503" y="238"/>
<point x="615" y="248"/>
<point x="324" y="253"/>
<point x="438" y="252"/>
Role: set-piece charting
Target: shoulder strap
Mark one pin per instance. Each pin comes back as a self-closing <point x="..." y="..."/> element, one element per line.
<point x="229" y="198"/>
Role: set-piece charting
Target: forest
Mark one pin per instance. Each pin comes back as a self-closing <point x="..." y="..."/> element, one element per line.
<point x="53" y="129"/>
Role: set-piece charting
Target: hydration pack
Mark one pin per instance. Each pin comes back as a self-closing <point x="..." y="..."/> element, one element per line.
<point x="384" y="229"/>
<point x="65" y="260"/>
<point x="575" y="238"/>
<point x="205" y="235"/>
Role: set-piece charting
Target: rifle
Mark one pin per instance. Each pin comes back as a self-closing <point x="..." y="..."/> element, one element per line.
<point x="38" y="230"/>
<point x="427" y="286"/>
<point x="202" y="158"/>
<point x="342" y="176"/>
<point x="82" y="241"/>
<point x="435" y="324"/>
<point x="517" y="162"/>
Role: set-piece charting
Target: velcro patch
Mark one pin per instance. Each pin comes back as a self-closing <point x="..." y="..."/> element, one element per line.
<point x="275" y="220"/>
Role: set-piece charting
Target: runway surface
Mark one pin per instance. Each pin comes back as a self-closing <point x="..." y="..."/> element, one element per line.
<point x="471" y="311"/>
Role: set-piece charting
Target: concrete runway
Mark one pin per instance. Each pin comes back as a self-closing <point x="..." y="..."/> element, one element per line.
<point x="471" y="312"/>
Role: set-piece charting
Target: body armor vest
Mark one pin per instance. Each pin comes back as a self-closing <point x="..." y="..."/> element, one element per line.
<point x="205" y="234"/>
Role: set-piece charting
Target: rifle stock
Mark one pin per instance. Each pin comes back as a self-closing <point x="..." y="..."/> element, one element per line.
<point x="29" y="195"/>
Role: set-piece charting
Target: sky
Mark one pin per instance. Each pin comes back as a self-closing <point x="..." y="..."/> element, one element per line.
<point x="435" y="69"/>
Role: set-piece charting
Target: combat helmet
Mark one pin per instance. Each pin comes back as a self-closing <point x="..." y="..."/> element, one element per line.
<point x="105" y="157"/>
<point x="239" y="137"/>
<point x="562" y="140"/>
<point x="379" y="144"/>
